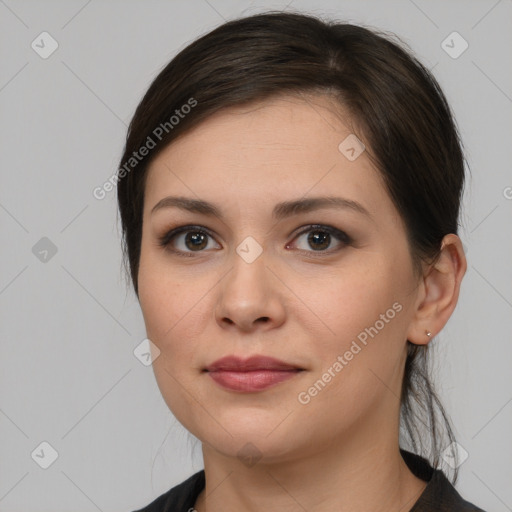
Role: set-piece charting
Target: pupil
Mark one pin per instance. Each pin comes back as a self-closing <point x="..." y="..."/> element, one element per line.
<point x="315" y="238"/>
<point x="197" y="239"/>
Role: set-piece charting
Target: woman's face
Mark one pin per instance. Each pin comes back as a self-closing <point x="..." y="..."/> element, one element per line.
<point x="336" y="300"/>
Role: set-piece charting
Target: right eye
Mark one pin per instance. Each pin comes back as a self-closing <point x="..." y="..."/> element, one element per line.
<point x="195" y="239"/>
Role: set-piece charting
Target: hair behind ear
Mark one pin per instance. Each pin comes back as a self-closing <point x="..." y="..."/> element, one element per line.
<point x="422" y="406"/>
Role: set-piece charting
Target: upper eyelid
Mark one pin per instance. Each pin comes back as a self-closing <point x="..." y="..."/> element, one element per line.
<point x="340" y="234"/>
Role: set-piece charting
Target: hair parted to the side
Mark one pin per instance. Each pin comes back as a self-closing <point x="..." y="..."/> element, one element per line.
<point x="402" y="116"/>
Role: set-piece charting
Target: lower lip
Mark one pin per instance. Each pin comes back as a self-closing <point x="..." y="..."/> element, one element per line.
<point x="255" y="380"/>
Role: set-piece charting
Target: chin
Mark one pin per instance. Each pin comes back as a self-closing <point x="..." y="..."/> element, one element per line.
<point x="249" y="440"/>
<point x="251" y="449"/>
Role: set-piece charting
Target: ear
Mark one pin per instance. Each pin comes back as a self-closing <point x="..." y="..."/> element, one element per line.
<point x="439" y="291"/>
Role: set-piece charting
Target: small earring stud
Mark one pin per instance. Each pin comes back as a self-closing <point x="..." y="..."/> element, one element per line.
<point x="428" y="333"/>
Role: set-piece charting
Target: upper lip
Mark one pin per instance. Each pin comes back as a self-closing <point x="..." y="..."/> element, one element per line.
<point x="237" y="364"/>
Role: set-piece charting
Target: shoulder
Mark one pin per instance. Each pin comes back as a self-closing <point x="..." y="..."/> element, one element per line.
<point x="180" y="498"/>
<point x="439" y="494"/>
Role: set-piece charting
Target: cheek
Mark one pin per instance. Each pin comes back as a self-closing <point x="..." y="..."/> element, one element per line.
<point x="167" y="307"/>
<point x="158" y="294"/>
<point x="359" y="362"/>
<point x="352" y="299"/>
<point x="361" y="354"/>
<point x="176" y="309"/>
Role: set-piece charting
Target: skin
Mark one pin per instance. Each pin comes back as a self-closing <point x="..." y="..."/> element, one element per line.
<point x="304" y="306"/>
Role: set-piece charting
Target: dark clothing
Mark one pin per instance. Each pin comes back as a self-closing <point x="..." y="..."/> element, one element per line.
<point x="439" y="494"/>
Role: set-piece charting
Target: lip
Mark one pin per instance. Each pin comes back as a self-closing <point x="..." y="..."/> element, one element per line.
<point x="237" y="364"/>
<point x="253" y="374"/>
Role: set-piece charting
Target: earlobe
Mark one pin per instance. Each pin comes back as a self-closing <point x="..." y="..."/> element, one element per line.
<point x="441" y="285"/>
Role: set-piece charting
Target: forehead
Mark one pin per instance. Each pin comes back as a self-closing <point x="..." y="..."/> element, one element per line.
<point x="286" y="145"/>
<point x="298" y="122"/>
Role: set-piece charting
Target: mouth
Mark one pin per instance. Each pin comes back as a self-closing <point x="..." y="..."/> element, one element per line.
<point x="250" y="375"/>
<point x="254" y="363"/>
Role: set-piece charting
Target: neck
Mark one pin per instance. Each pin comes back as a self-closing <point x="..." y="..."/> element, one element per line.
<point x="342" y="477"/>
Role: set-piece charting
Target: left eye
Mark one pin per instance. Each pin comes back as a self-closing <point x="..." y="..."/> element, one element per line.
<point x="320" y="237"/>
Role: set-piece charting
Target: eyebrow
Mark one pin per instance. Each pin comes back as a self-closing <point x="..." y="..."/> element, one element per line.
<point x="280" y="211"/>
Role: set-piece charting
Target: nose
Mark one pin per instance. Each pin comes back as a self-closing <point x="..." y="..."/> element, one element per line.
<point x="250" y="297"/>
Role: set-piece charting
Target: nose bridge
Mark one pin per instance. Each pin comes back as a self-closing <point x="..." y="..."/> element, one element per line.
<point x="248" y="276"/>
<point x="248" y="294"/>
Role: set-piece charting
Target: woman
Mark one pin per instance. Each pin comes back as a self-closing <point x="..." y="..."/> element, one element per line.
<point x="289" y="196"/>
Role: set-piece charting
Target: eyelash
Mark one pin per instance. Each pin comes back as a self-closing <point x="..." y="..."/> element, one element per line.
<point x="165" y="240"/>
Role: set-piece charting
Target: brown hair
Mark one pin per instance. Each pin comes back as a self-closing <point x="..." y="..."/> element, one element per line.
<point x="401" y="112"/>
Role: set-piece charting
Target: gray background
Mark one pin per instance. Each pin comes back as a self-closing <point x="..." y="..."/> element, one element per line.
<point x="69" y="325"/>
